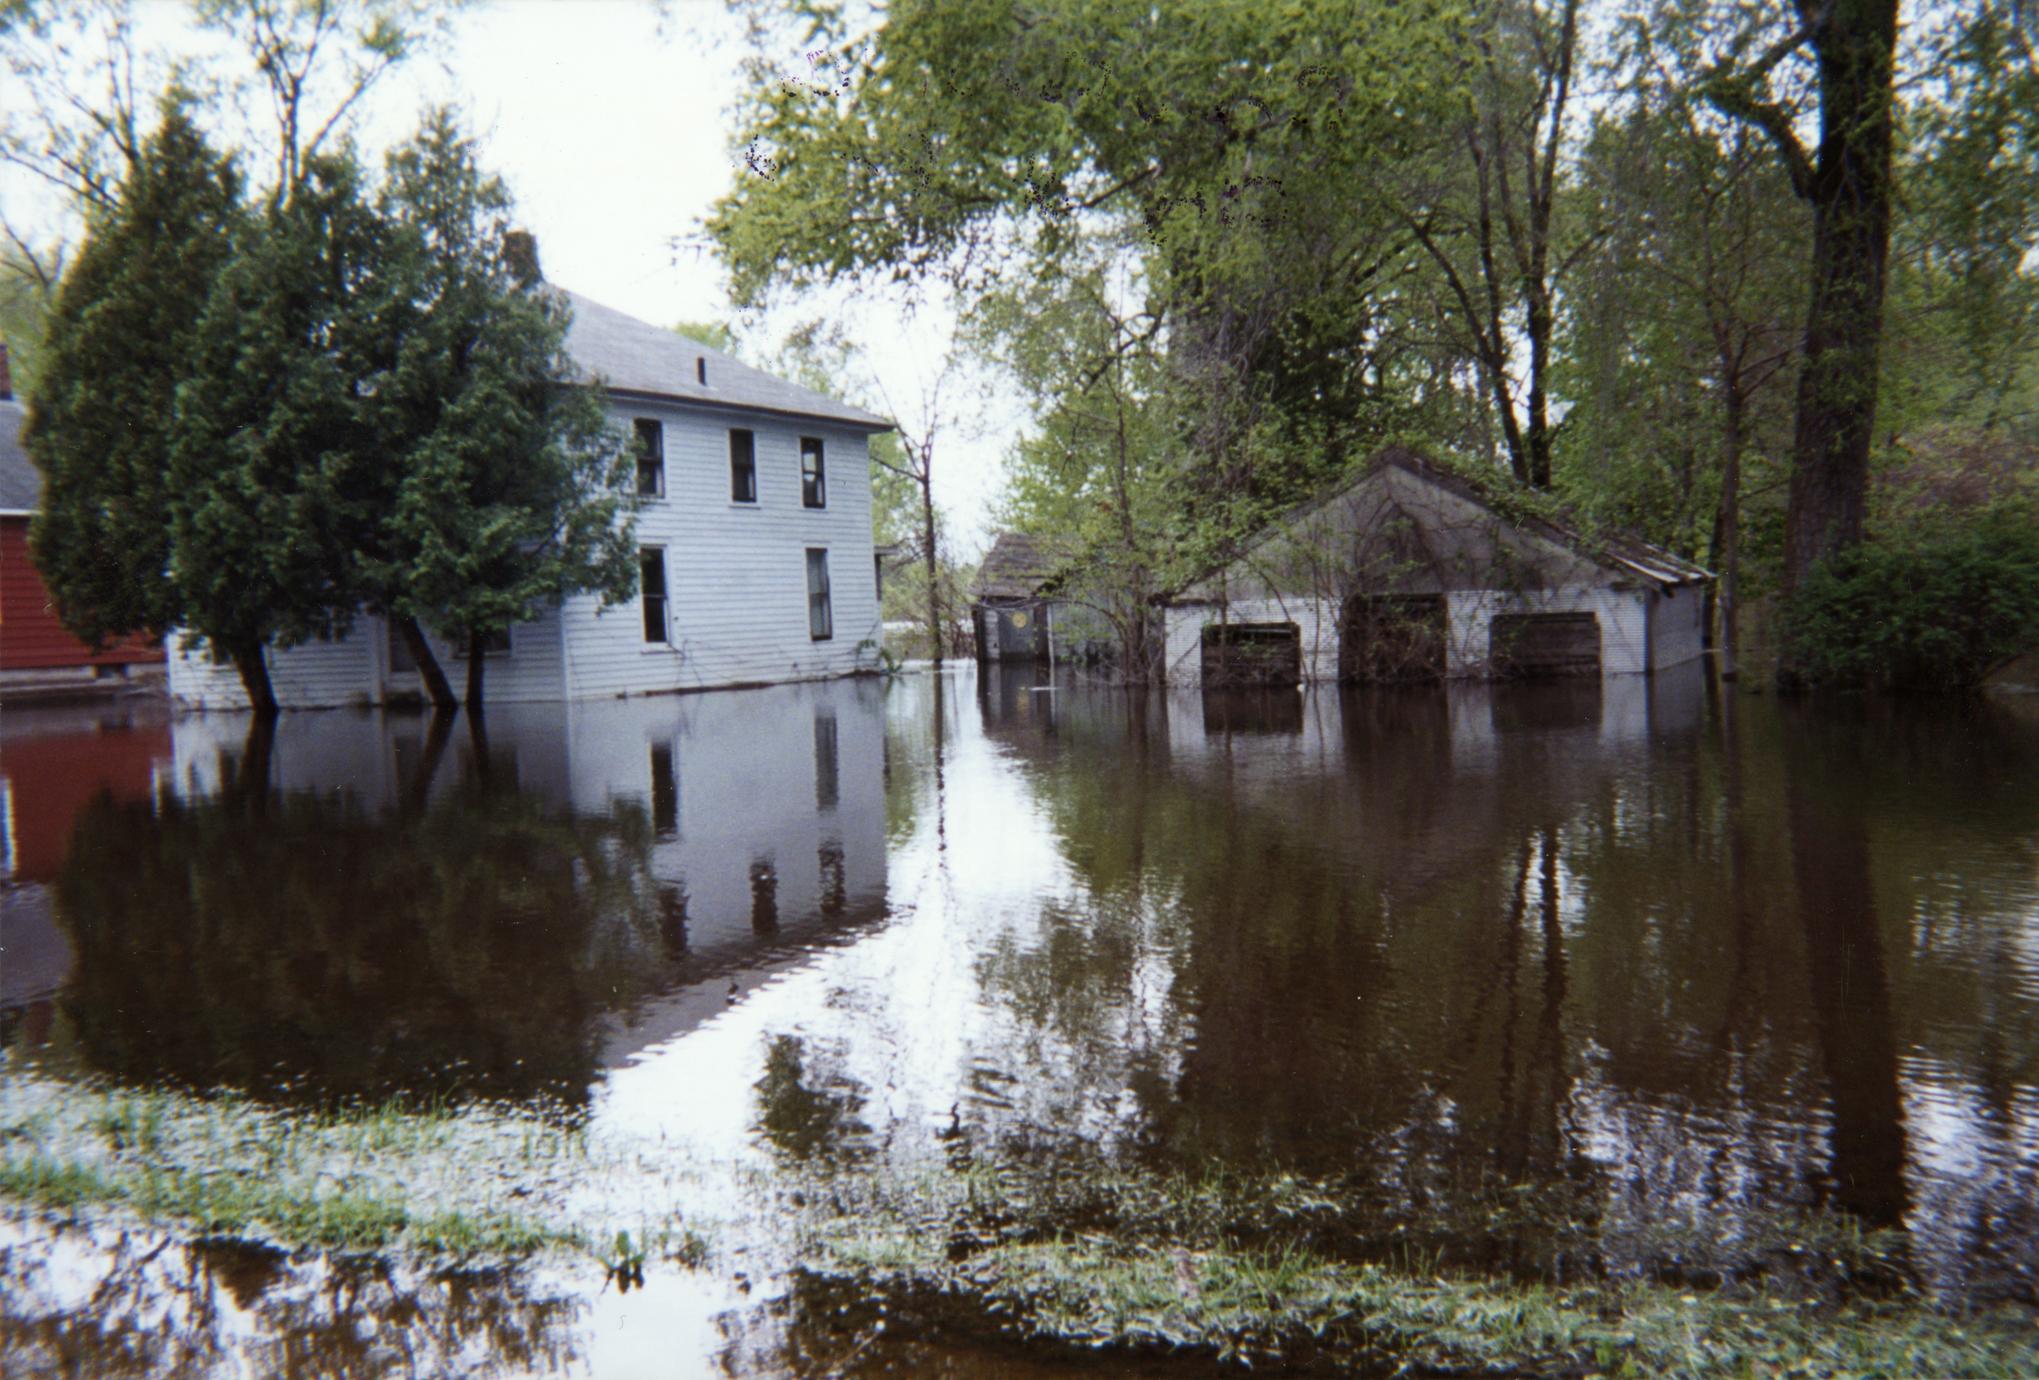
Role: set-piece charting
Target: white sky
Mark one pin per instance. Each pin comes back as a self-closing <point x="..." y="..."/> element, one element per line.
<point x="611" y="123"/>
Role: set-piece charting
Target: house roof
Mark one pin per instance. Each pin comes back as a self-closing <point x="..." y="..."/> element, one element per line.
<point x="633" y="356"/>
<point x="629" y="355"/>
<point x="1625" y="555"/>
<point x="20" y="480"/>
<point x="1014" y="568"/>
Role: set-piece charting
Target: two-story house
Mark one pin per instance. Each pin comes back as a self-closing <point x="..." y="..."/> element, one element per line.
<point x="754" y="549"/>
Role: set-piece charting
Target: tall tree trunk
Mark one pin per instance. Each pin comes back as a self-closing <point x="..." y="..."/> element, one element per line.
<point x="419" y="792"/>
<point x="1730" y="529"/>
<point x="475" y="659"/>
<point x="437" y="689"/>
<point x="1850" y="191"/>
<point x="936" y="632"/>
<point x="1851" y="999"/>
<point x="254" y="669"/>
<point x="249" y="789"/>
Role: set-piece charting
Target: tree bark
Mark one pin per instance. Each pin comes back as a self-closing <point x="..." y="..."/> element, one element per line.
<point x="437" y="688"/>
<point x="254" y="669"/>
<point x="1730" y="526"/>
<point x="475" y="660"/>
<point x="1850" y="193"/>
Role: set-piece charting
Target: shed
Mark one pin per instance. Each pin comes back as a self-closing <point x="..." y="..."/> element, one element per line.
<point x="1010" y="609"/>
<point x="1409" y="571"/>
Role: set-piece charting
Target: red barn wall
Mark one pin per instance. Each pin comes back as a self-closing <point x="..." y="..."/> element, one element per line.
<point x="31" y="637"/>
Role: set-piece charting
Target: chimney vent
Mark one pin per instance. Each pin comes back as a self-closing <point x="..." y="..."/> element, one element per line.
<point x="701" y="369"/>
<point x="520" y="256"/>
<point x="6" y="377"/>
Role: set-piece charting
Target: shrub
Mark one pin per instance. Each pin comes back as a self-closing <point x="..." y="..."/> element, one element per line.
<point x="1934" y="606"/>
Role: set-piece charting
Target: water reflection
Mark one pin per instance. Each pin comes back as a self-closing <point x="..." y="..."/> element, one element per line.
<point x="358" y="906"/>
<point x="1688" y="961"/>
<point x="109" y="1303"/>
<point x="1654" y="969"/>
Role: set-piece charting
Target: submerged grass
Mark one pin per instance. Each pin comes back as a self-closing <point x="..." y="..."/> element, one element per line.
<point x="425" y="1179"/>
<point x="1163" y="1267"/>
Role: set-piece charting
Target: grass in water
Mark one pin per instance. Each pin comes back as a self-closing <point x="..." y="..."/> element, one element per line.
<point x="1221" y="1266"/>
<point x="424" y="1178"/>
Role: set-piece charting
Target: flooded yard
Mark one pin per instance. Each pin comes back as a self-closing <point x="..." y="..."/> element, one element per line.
<point x="612" y="1040"/>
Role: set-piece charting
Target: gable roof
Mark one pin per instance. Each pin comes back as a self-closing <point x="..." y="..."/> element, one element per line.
<point x="633" y="356"/>
<point x="1627" y="557"/>
<point x="1014" y="568"/>
<point x="20" y="480"/>
<point x="1619" y="552"/>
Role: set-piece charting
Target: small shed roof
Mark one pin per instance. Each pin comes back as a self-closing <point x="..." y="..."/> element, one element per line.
<point x="1016" y="567"/>
<point x="633" y="356"/>
<point x="20" y="480"/>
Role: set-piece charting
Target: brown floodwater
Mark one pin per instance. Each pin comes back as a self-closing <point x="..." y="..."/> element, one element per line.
<point x="1683" y="969"/>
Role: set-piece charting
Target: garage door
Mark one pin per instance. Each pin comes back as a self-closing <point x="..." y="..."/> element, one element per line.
<point x="1392" y="638"/>
<point x="1253" y="654"/>
<point x="1546" y="644"/>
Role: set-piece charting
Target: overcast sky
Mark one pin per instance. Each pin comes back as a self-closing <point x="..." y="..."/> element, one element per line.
<point x="610" y="121"/>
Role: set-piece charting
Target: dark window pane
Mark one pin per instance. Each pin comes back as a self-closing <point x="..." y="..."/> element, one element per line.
<point x="764" y="896"/>
<point x="651" y="573"/>
<point x="820" y="616"/>
<point x="743" y="467"/>
<point x="813" y="474"/>
<point x="665" y="792"/>
<point x="827" y="773"/>
<point x="651" y="458"/>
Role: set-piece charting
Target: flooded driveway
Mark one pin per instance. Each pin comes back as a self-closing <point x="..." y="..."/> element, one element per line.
<point x="1677" y="970"/>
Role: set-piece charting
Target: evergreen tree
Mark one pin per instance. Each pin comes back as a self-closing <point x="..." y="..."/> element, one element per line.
<point x="506" y="488"/>
<point x="274" y="461"/>
<point x="100" y="411"/>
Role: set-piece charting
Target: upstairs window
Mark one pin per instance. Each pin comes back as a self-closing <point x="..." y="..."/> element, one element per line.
<point x="820" y="617"/>
<point x="813" y="474"/>
<point x="743" y="467"/>
<point x="651" y="458"/>
<point x="651" y="587"/>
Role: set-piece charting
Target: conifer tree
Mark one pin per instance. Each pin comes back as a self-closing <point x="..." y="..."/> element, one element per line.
<point x="274" y="457"/>
<point x="507" y="490"/>
<point x="100" y="413"/>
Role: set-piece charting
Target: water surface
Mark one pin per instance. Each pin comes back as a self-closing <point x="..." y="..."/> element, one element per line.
<point x="1681" y="967"/>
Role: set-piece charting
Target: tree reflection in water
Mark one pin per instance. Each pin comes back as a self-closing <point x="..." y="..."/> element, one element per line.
<point x="1557" y="937"/>
<point x="111" y="1303"/>
<point x="306" y="945"/>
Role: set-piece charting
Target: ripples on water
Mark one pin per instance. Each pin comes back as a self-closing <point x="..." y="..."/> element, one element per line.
<point x="1673" y="959"/>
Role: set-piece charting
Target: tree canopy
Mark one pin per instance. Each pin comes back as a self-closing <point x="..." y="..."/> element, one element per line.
<point x="1585" y="247"/>
<point x="357" y="398"/>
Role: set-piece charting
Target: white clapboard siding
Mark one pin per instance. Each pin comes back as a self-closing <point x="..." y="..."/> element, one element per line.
<point x="736" y="579"/>
<point x="749" y="772"/>
<point x="736" y="574"/>
<point x="317" y="674"/>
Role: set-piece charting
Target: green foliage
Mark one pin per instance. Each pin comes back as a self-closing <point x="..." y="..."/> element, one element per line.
<point x="102" y="403"/>
<point x="255" y="424"/>
<point x="499" y="492"/>
<point x="715" y="333"/>
<point x="274" y="456"/>
<point x="1964" y="300"/>
<point x="1934" y="606"/>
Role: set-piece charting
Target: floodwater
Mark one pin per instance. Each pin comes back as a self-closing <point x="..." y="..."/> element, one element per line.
<point x="1659" y="956"/>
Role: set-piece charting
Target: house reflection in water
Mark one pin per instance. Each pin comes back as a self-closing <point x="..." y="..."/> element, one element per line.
<point x="52" y="763"/>
<point x="362" y="900"/>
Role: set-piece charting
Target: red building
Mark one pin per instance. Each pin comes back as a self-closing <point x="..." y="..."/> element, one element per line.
<point x="34" y="646"/>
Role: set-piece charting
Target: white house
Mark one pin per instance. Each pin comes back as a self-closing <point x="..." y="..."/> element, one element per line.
<point x="1410" y="572"/>
<point x="755" y="551"/>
